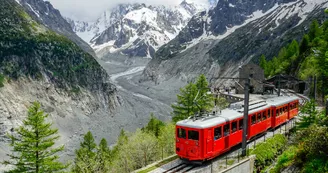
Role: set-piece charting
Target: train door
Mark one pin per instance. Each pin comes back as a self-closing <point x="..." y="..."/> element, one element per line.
<point x="181" y="142"/>
<point x="193" y="144"/>
<point x="226" y="134"/>
<point x="273" y="115"/>
<point x="209" y="141"/>
<point x="218" y="139"/>
<point x="235" y="135"/>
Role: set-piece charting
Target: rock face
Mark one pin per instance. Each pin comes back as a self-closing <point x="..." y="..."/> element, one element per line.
<point x="44" y="13"/>
<point x="136" y="29"/>
<point x="245" y="30"/>
<point x="41" y="65"/>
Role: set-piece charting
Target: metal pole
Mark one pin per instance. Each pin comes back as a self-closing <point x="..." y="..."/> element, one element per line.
<point x="279" y="86"/>
<point x="327" y="107"/>
<point x="245" y="120"/>
<point x="286" y="128"/>
<point x="315" y="87"/>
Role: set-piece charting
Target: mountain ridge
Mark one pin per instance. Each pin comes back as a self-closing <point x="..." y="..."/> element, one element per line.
<point x="136" y="29"/>
<point x="215" y="56"/>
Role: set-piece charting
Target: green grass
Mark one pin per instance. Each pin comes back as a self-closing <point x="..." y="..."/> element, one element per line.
<point x="158" y="165"/>
<point x="2" y="80"/>
<point x="230" y="162"/>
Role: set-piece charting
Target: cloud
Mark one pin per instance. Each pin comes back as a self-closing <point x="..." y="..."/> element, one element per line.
<point x="88" y="10"/>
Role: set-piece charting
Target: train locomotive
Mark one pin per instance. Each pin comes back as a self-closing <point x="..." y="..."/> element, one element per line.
<point x="206" y="137"/>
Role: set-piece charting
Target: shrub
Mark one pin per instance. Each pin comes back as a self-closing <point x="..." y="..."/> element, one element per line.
<point x="265" y="152"/>
<point x="285" y="160"/>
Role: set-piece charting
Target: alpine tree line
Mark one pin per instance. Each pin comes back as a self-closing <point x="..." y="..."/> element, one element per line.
<point x="305" y="59"/>
<point x="33" y="143"/>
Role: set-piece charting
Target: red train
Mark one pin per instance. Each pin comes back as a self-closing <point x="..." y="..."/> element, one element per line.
<point x="203" y="138"/>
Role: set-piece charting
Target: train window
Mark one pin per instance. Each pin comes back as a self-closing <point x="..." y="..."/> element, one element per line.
<point x="269" y="113"/>
<point x="281" y="111"/>
<point x="217" y="133"/>
<point x="277" y="112"/>
<point x="241" y="124"/>
<point x="226" y="129"/>
<point x="264" y="116"/>
<point x="258" y="117"/>
<point x="253" y="119"/>
<point x="234" y="126"/>
<point x="193" y="135"/>
<point x="181" y="133"/>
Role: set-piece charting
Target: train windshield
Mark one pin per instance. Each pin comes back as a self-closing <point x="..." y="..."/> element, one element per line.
<point x="181" y="133"/>
<point x="193" y="135"/>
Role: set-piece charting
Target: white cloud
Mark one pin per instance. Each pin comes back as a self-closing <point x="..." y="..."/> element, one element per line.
<point x="89" y="10"/>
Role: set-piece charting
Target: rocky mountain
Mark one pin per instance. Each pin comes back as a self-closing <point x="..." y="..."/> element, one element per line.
<point x="136" y="29"/>
<point x="37" y="64"/>
<point x="217" y="42"/>
<point x="44" y="13"/>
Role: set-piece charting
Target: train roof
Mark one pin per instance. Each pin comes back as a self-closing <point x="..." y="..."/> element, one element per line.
<point x="235" y="111"/>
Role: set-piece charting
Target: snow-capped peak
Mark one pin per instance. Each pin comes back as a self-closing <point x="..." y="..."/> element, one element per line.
<point x="136" y="29"/>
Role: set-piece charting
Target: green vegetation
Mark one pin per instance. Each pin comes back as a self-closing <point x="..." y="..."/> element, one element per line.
<point x="309" y="151"/>
<point x="2" y="80"/>
<point x="194" y="98"/>
<point x="285" y="160"/>
<point x="266" y="151"/>
<point x="30" y="49"/>
<point x="132" y="151"/>
<point x="304" y="59"/>
<point x="154" y="125"/>
<point x="90" y="158"/>
<point x="33" y="145"/>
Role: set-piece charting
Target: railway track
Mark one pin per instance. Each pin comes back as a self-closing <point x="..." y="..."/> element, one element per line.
<point x="303" y="98"/>
<point x="183" y="168"/>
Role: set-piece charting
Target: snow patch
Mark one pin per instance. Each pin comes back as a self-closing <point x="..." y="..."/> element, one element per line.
<point x="142" y="15"/>
<point x="231" y="5"/>
<point x="18" y="2"/>
<point x="142" y="96"/>
<point x="128" y="72"/>
<point x="206" y="36"/>
<point x="36" y="13"/>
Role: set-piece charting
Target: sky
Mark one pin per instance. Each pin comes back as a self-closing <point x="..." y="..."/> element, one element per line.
<point x="89" y="10"/>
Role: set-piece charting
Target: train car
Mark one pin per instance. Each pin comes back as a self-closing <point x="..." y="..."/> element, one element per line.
<point x="293" y="109"/>
<point x="205" y="137"/>
<point x="281" y="109"/>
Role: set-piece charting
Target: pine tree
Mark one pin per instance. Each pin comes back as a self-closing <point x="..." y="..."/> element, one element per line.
<point x="315" y="30"/>
<point x="103" y="156"/>
<point x="305" y="43"/>
<point x="154" y="125"/>
<point x="263" y="62"/>
<point x="33" y="145"/>
<point x="185" y="106"/>
<point x="122" y="140"/>
<point x="204" y="100"/>
<point x="85" y="155"/>
<point x="293" y="51"/>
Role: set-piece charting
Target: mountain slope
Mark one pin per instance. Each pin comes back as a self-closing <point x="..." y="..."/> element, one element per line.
<point x="44" y="13"/>
<point x="41" y="65"/>
<point x="193" y="53"/>
<point x="136" y="29"/>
